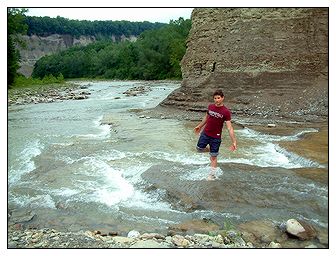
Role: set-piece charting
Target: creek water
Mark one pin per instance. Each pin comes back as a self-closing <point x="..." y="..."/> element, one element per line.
<point x="78" y="164"/>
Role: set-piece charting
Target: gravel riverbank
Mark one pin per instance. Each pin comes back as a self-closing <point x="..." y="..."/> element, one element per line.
<point x="256" y="234"/>
<point x="50" y="238"/>
<point x="47" y="94"/>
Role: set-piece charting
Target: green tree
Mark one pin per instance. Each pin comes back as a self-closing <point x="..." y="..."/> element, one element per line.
<point x="15" y="25"/>
<point x="12" y="61"/>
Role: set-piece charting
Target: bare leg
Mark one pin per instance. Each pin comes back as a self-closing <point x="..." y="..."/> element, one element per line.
<point x="213" y="160"/>
<point x="213" y="163"/>
<point x="203" y="150"/>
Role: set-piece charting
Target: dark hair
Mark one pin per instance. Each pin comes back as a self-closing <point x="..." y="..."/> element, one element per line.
<point x="218" y="92"/>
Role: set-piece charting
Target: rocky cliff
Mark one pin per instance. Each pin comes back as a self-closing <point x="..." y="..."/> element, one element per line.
<point x="39" y="46"/>
<point x="270" y="62"/>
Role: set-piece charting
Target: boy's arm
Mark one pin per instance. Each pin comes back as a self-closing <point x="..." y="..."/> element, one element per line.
<point x="198" y="128"/>
<point x="233" y="147"/>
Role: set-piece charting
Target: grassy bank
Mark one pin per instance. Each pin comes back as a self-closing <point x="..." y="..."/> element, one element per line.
<point x="29" y="82"/>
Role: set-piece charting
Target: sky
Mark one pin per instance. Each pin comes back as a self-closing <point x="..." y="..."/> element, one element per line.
<point x="131" y="14"/>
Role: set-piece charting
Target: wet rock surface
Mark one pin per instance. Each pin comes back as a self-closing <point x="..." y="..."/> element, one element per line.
<point x="227" y="192"/>
<point x="137" y="90"/>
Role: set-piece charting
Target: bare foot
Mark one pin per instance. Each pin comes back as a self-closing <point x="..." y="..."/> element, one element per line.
<point x="211" y="177"/>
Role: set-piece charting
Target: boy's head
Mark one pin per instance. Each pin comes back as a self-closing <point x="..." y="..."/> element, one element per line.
<point x="218" y="97"/>
<point x="218" y="92"/>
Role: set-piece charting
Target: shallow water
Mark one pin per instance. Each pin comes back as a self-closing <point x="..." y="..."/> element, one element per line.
<point x="78" y="164"/>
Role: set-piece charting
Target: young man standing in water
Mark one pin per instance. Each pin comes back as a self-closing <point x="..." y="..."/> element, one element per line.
<point x="213" y="121"/>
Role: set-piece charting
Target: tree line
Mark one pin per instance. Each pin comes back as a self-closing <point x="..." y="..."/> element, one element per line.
<point x="155" y="55"/>
<point x="44" y="26"/>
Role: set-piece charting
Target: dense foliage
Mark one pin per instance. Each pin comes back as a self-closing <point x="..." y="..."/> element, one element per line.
<point x="44" y="26"/>
<point x="15" y="25"/>
<point x="155" y="55"/>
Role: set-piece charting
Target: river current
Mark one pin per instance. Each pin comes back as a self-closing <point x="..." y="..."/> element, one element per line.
<point x="78" y="164"/>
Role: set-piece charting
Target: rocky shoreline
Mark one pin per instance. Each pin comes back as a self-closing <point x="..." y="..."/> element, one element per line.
<point x="50" y="238"/>
<point x="263" y="234"/>
<point x="47" y="94"/>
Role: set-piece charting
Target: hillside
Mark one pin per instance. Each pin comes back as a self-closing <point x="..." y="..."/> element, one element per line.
<point x="47" y="36"/>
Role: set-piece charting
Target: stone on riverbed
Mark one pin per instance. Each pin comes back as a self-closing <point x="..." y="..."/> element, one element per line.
<point x="274" y="245"/>
<point x="21" y="216"/>
<point x="148" y="244"/>
<point x="133" y="234"/>
<point x="147" y="236"/>
<point x="300" y="229"/>
<point x="180" y="241"/>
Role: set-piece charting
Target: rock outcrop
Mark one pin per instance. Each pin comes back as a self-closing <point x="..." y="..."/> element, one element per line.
<point x="266" y="60"/>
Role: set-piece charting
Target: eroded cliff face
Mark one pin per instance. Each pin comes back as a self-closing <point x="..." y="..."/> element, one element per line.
<point x="264" y="59"/>
<point x="39" y="46"/>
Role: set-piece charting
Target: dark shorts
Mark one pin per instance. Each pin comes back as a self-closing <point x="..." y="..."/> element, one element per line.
<point x="205" y="140"/>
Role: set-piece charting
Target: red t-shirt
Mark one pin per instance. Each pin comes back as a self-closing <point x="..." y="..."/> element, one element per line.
<point x="215" y="121"/>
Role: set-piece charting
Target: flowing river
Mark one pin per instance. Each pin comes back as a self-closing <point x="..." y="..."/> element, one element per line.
<point x="80" y="165"/>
